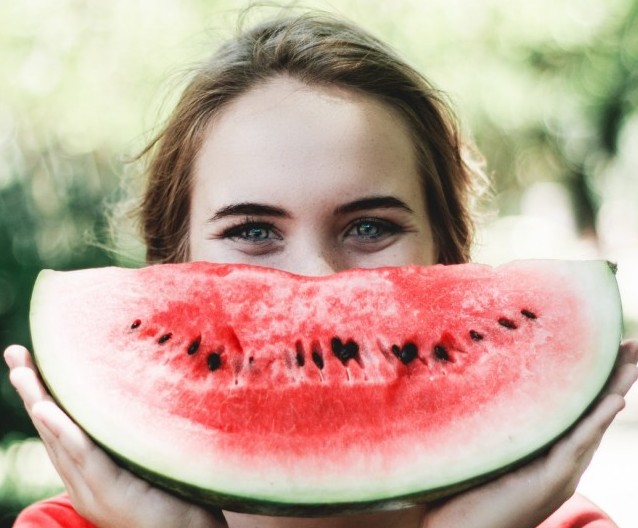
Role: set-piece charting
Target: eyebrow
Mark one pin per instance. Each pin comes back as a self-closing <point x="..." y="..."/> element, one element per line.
<point x="373" y="202"/>
<point x="249" y="209"/>
<point x="259" y="209"/>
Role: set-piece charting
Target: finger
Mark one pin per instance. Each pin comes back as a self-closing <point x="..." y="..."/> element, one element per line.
<point x="30" y="389"/>
<point x="64" y="439"/>
<point x="73" y="446"/>
<point x="50" y="443"/>
<point x="622" y="380"/>
<point x="625" y="371"/>
<point x="568" y="459"/>
<point x="86" y="471"/>
<point x="98" y="487"/>
<point x="91" y="478"/>
<point x="24" y="376"/>
<point x="593" y="426"/>
<point x="516" y="499"/>
<point x="629" y="351"/>
<point x="18" y="356"/>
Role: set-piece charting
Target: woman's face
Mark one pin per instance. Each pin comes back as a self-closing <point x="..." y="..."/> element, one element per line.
<point x="310" y="180"/>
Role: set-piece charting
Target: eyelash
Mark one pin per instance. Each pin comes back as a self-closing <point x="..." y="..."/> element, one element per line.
<point x="239" y="229"/>
<point x="387" y="227"/>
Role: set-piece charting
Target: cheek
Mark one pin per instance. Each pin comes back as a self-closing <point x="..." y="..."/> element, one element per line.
<point x="425" y="254"/>
<point x="420" y="249"/>
<point x="413" y="250"/>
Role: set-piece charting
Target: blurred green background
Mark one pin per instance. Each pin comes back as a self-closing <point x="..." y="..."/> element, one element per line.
<point x="548" y="89"/>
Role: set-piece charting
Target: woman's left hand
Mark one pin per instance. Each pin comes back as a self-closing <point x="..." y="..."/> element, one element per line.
<point x="525" y="497"/>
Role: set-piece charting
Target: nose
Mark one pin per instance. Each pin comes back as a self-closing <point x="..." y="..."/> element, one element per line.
<point x="315" y="266"/>
<point x="316" y="261"/>
<point x="318" y="267"/>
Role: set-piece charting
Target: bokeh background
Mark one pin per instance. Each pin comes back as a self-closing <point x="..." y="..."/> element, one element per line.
<point x="548" y="90"/>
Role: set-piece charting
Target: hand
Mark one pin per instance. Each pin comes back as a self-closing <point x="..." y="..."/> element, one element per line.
<point x="527" y="496"/>
<point x="101" y="491"/>
<point x="521" y="499"/>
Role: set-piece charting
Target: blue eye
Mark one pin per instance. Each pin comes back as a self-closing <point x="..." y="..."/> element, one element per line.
<point x="254" y="232"/>
<point x="370" y="229"/>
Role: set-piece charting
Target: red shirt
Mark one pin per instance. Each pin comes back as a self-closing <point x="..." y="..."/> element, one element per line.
<point x="58" y="512"/>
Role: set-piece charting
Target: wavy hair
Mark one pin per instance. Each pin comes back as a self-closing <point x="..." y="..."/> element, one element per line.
<point x="317" y="49"/>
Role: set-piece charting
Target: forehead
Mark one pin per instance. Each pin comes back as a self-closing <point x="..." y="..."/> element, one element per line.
<point x="287" y="136"/>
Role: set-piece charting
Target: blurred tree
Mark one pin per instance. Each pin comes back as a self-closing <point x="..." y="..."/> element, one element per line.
<point x="76" y="76"/>
<point x="601" y="77"/>
<point x="51" y="216"/>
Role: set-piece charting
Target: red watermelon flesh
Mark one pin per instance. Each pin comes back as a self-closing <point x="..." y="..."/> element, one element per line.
<point x="259" y="390"/>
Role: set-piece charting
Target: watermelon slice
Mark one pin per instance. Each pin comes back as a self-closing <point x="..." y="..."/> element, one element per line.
<point x="257" y="390"/>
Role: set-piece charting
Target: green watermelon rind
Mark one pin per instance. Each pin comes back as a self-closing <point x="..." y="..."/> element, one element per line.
<point x="268" y="506"/>
<point x="288" y="506"/>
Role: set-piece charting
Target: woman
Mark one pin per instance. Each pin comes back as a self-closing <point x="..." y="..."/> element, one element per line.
<point x="306" y="145"/>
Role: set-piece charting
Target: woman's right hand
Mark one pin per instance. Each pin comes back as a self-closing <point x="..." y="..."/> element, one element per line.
<point x="100" y="491"/>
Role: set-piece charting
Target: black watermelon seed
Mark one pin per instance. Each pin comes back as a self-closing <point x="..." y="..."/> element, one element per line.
<point x="194" y="347"/>
<point x="344" y="351"/>
<point x="475" y="335"/>
<point x="300" y="356"/>
<point x="136" y="324"/>
<point x="164" y="338"/>
<point x="317" y="359"/>
<point x="407" y="353"/>
<point x="507" y="323"/>
<point x="529" y="314"/>
<point x="441" y="353"/>
<point x="214" y="361"/>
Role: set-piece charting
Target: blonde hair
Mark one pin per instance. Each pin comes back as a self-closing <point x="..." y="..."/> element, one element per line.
<point x="316" y="49"/>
